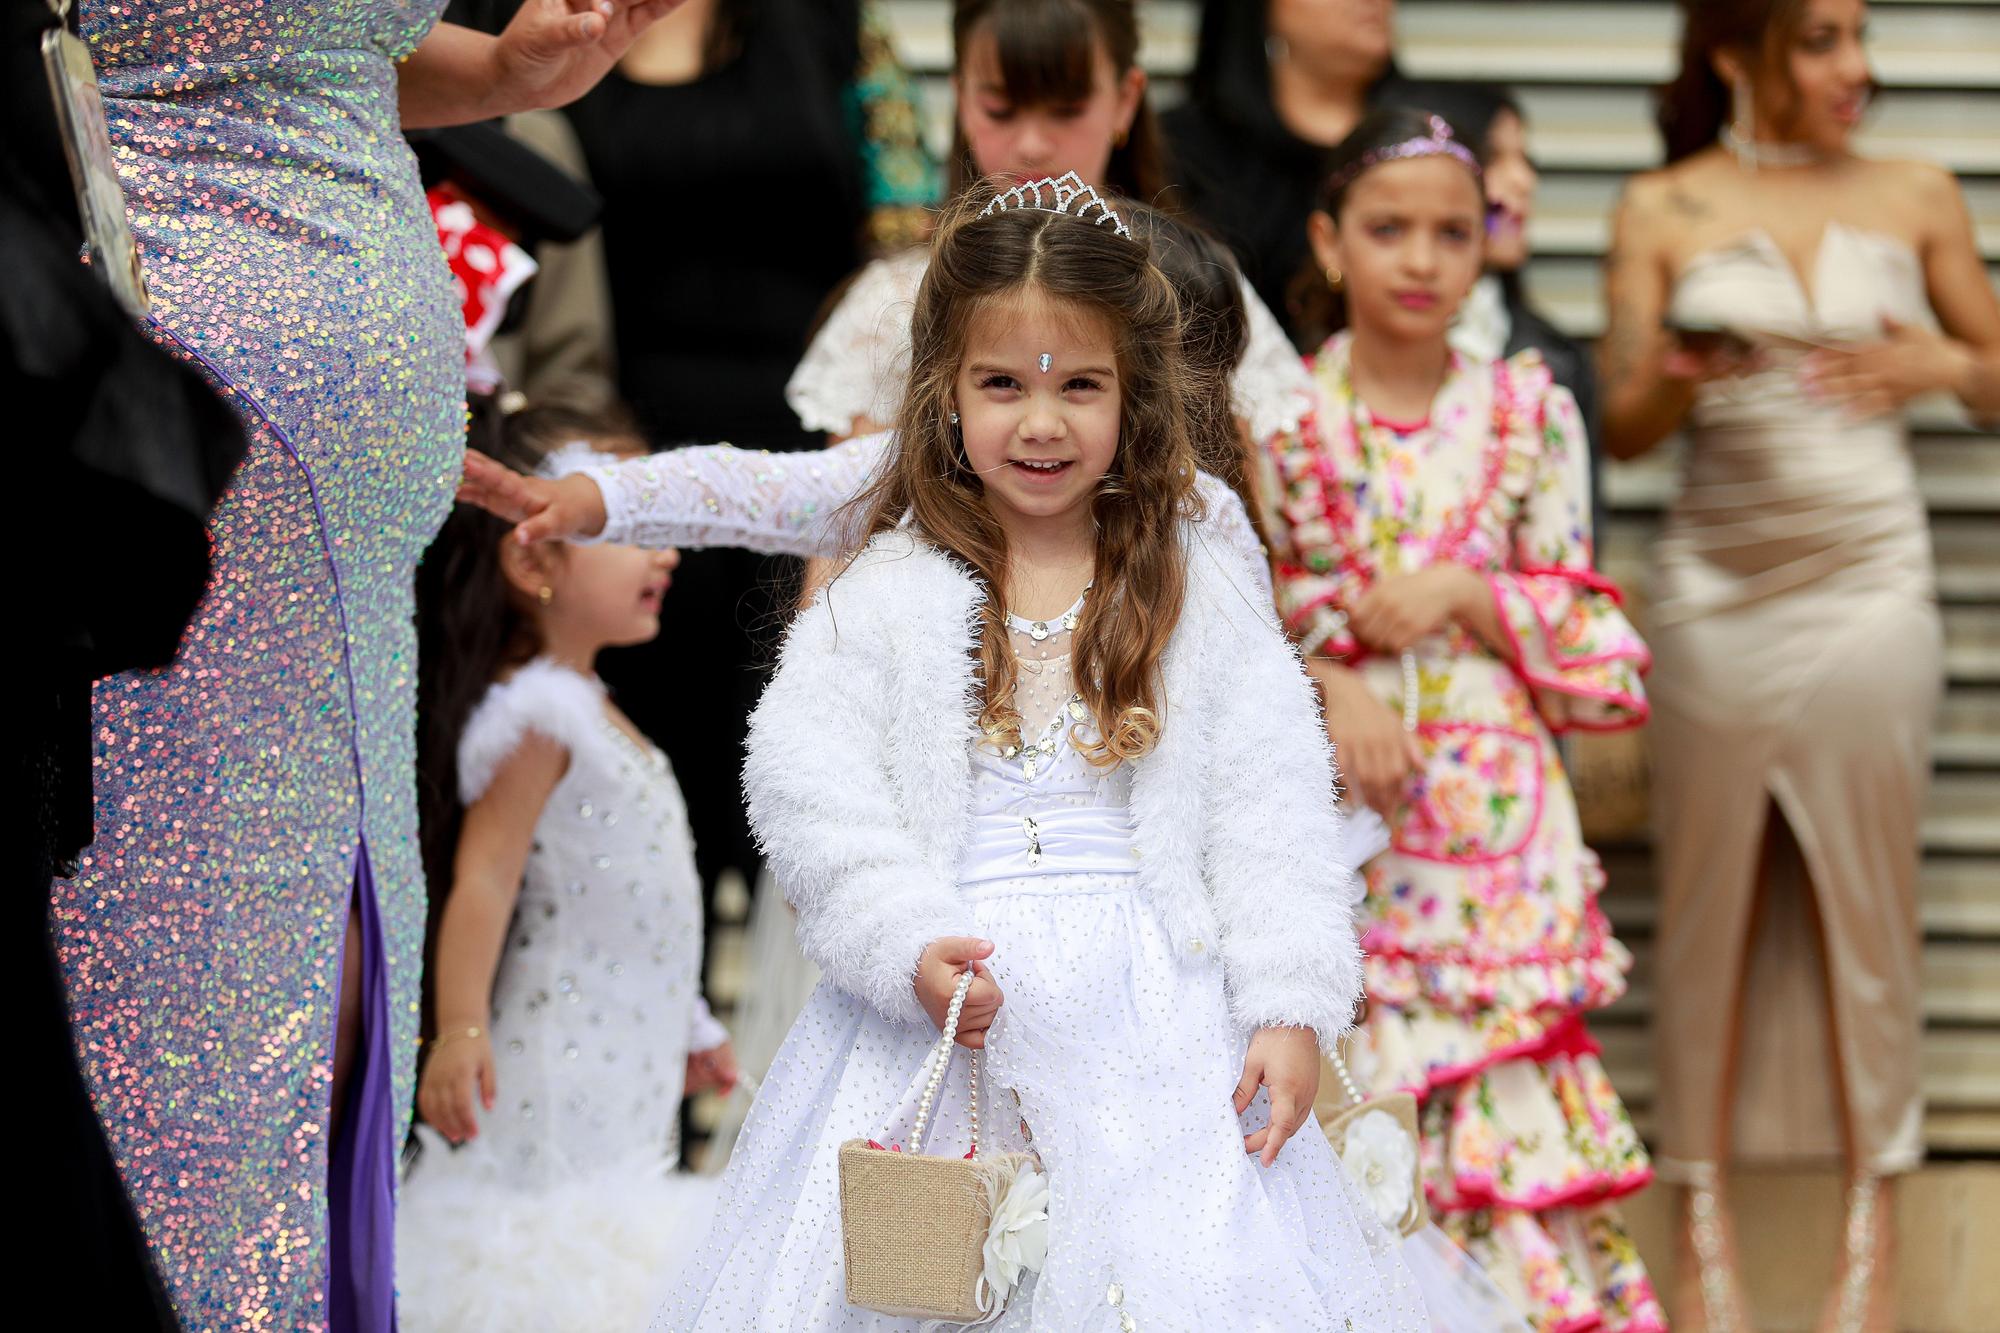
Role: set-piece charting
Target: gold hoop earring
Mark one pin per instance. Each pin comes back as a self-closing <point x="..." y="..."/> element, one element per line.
<point x="546" y="595"/>
<point x="1333" y="277"/>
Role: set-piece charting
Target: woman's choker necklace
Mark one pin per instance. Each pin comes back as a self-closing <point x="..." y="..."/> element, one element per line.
<point x="1753" y="154"/>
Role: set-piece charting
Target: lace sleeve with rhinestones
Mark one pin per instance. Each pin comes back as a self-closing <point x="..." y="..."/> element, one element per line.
<point x="719" y="495"/>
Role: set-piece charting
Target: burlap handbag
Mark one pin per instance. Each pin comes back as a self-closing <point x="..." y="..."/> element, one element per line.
<point x="1377" y="1137"/>
<point x="914" y="1227"/>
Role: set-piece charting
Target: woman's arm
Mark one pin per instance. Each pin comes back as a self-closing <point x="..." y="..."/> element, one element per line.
<point x="701" y="495"/>
<point x="550" y="54"/>
<point x="1964" y="360"/>
<point x="1642" y="403"/>
<point x="493" y="851"/>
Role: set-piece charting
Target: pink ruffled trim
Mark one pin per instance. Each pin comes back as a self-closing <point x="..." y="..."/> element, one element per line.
<point x="1500" y="582"/>
<point x="1475" y="1193"/>
<point x="1567" y="1036"/>
<point x="1630" y="703"/>
<point x="1596" y="1322"/>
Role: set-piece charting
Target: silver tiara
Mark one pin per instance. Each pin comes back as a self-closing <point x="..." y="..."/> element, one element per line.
<point x="1065" y="194"/>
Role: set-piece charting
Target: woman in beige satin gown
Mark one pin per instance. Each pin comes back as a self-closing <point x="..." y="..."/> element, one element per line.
<point x="1780" y="299"/>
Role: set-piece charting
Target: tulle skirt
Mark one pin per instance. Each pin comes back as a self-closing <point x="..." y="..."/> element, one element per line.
<point x="582" y="1255"/>
<point x="1114" y="1060"/>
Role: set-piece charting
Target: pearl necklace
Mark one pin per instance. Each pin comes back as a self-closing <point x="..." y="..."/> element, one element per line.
<point x="1754" y="153"/>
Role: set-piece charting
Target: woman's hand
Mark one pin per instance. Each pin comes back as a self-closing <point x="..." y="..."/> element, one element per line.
<point x="459" y="1066"/>
<point x="1402" y="609"/>
<point x="1374" y="754"/>
<point x="1285" y="1060"/>
<point x="713" y="1070"/>
<point x="545" y="510"/>
<point x="555" y="51"/>
<point x="1876" y="379"/>
<point x="938" y="971"/>
<point x="1726" y="358"/>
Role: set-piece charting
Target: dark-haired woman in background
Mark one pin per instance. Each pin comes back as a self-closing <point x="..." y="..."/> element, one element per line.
<point x="1780" y="297"/>
<point x="794" y="151"/>
<point x="1277" y="84"/>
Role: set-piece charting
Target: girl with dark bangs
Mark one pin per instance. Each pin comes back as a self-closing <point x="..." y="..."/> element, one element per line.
<point x="1044" y="87"/>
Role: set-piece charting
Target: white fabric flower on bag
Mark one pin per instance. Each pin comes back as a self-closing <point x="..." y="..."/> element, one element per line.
<point x="1017" y="1239"/>
<point x="1381" y="1157"/>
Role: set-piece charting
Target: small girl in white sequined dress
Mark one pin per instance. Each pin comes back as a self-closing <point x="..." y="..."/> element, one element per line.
<point x="568" y="954"/>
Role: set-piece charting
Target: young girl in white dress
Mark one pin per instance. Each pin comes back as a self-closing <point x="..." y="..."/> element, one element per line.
<point x="1034" y="732"/>
<point x="794" y="504"/>
<point x="1041" y="89"/>
<point x="568" y="955"/>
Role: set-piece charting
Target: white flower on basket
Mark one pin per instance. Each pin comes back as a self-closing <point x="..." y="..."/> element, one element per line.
<point x="1017" y="1239"/>
<point x="1382" y="1159"/>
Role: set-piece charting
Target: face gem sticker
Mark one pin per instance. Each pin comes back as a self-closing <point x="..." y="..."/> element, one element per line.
<point x="1046" y="362"/>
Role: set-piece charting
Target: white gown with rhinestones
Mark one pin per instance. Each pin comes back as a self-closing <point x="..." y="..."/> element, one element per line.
<point x="566" y="1208"/>
<point x="1107" y="1061"/>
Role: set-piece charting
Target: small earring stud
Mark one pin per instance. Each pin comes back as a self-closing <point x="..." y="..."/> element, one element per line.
<point x="954" y="418"/>
<point x="547" y="594"/>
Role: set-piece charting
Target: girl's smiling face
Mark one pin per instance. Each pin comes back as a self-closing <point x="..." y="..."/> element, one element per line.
<point x="1038" y="400"/>
<point x="1409" y="244"/>
<point x="1046" y="139"/>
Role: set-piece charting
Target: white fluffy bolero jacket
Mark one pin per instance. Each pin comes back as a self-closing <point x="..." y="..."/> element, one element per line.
<point x="860" y="788"/>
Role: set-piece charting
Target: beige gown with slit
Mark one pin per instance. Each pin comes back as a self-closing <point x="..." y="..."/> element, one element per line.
<point x="1798" y="657"/>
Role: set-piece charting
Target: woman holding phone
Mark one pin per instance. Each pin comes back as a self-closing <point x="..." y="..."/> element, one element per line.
<point x="1781" y="298"/>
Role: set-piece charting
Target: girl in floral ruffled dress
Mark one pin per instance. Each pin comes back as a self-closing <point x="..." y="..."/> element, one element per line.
<point x="1431" y="529"/>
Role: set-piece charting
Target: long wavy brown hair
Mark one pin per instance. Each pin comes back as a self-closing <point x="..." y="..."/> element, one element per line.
<point x="1140" y="577"/>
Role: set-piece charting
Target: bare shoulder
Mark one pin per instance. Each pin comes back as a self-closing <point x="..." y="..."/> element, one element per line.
<point x="1925" y="182"/>
<point x="1921" y="202"/>
<point x="1666" y="202"/>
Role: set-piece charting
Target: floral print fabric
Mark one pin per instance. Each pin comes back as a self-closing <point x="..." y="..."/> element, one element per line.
<point x="1485" y="940"/>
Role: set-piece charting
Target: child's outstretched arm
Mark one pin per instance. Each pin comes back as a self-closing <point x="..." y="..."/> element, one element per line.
<point x="700" y="495"/>
<point x="486" y="879"/>
<point x="871" y="906"/>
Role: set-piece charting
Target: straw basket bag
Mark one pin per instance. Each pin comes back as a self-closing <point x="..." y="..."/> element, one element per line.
<point x="1376" y="1138"/>
<point x="939" y="1238"/>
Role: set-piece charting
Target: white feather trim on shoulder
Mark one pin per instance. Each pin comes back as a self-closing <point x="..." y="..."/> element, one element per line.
<point x="543" y="697"/>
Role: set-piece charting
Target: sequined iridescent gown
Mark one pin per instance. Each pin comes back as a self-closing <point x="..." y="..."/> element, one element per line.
<point x="245" y="793"/>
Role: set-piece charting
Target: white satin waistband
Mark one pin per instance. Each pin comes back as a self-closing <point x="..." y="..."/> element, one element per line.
<point x="1062" y="841"/>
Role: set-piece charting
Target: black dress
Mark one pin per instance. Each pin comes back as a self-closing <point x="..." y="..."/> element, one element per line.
<point x="733" y="206"/>
<point x="1255" y="183"/>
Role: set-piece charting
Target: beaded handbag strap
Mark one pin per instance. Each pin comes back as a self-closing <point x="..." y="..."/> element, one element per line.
<point x="939" y="1063"/>
<point x="1346" y="1079"/>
